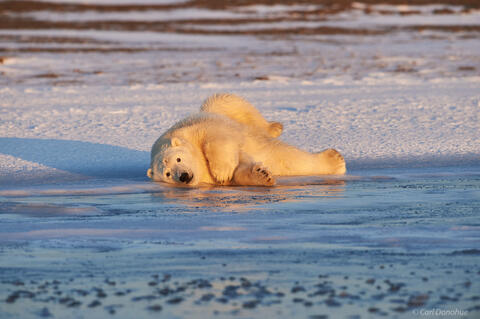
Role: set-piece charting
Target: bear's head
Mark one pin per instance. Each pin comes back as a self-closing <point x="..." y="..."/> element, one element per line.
<point x="175" y="164"/>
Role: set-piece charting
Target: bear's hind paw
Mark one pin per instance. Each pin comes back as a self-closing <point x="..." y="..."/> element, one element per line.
<point x="262" y="176"/>
<point x="334" y="160"/>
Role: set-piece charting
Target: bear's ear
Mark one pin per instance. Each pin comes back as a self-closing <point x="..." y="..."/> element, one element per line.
<point x="175" y="141"/>
<point x="150" y="173"/>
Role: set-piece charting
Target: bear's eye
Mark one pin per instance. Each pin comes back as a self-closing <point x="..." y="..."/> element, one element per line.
<point x="178" y="159"/>
<point x="168" y="174"/>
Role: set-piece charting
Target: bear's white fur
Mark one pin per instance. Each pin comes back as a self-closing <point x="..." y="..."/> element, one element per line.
<point x="229" y="143"/>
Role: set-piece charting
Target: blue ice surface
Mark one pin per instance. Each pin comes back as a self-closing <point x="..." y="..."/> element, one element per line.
<point x="415" y="232"/>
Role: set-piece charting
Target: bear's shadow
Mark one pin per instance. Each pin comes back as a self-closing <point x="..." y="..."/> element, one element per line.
<point x="85" y="158"/>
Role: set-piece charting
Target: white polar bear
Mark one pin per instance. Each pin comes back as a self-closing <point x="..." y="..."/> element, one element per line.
<point x="230" y="143"/>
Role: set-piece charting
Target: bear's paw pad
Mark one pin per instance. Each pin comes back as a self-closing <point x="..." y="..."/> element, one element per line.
<point x="262" y="176"/>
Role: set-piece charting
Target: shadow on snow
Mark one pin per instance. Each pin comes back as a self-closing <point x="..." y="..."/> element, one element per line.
<point x="85" y="158"/>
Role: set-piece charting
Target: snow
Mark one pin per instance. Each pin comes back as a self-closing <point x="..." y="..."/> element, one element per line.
<point x="400" y="99"/>
<point x="379" y="16"/>
<point x="151" y="15"/>
<point x="108" y="131"/>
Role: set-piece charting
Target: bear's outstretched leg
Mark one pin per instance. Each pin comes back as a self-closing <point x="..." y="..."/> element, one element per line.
<point x="283" y="159"/>
<point x="241" y="111"/>
<point x="252" y="174"/>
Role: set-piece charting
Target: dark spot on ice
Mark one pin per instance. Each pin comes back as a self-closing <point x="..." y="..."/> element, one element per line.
<point x="323" y="289"/>
<point x="394" y="287"/>
<point x="207" y="297"/>
<point x="141" y="298"/>
<point x="418" y="300"/>
<point x="245" y="282"/>
<point x="180" y="289"/>
<point x="250" y="304"/>
<point x="18" y="294"/>
<point x="100" y="293"/>
<point x="175" y="300"/>
<point x="332" y="303"/>
<point x="200" y="283"/>
<point x="80" y="292"/>
<point x="296" y="289"/>
<point x="69" y="302"/>
<point x="12" y="298"/>
<point x="154" y="308"/>
<point x="222" y="300"/>
<point x="466" y="252"/>
<point x="378" y="297"/>
<point x="399" y="309"/>
<point x="94" y="304"/>
<point x="370" y="281"/>
<point x="112" y="309"/>
<point x="231" y="291"/>
<point x="165" y="291"/>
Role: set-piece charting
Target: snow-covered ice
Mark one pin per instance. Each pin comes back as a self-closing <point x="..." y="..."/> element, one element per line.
<point x="108" y="131"/>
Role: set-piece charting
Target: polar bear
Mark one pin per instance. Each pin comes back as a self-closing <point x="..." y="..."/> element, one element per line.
<point x="230" y="143"/>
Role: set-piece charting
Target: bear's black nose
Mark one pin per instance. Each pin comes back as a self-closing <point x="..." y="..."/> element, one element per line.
<point x="185" y="178"/>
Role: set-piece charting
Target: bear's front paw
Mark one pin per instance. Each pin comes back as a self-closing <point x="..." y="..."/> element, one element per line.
<point x="222" y="173"/>
<point x="262" y="176"/>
